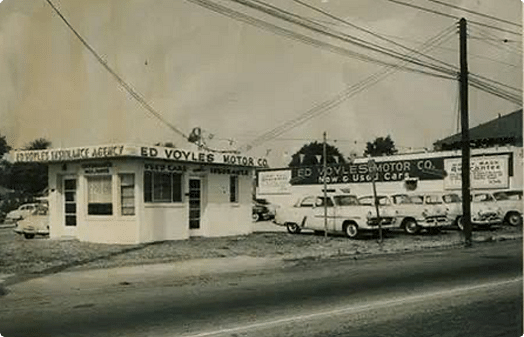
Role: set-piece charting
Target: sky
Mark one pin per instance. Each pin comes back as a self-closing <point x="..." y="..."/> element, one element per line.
<point x="199" y="68"/>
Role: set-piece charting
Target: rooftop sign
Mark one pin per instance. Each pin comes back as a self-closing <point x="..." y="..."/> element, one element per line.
<point x="137" y="151"/>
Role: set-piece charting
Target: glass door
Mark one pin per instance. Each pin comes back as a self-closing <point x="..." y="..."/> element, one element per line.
<point x="195" y="202"/>
<point x="70" y="201"/>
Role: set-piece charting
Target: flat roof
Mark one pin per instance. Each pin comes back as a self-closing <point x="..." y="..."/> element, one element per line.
<point x="115" y="151"/>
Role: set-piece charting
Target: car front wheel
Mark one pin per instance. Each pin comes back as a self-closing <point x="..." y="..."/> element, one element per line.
<point x="293" y="228"/>
<point x="514" y="219"/>
<point x="351" y="230"/>
<point x="255" y="217"/>
<point x="29" y="236"/>
<point x="411" y="227"/>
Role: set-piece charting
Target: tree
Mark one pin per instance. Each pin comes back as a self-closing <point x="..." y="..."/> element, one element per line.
<point x="28" y="178"/>
<point x="380" y="147"/>
<point x="307" y="155"/>
<point x="4" y="147"/>
<point x="38" y="144"/>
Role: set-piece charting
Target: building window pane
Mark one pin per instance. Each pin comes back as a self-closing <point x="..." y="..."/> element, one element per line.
<point x="162" y="187"/>
<point x="177" y="187"/>
<point x="233" y="188"/>
<point x="127" y="194"/>
<point x="99" y="195"/>
<point x="148" y="186"/>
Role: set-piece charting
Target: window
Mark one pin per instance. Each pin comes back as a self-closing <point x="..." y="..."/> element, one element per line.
<point x="233" y="188"/>
<point x="321" y="201"/>
<point x="127" y="194"/>
<point x="308" y="202"/>
<point x="162" y="187"/>
<point x="99" y="195"/>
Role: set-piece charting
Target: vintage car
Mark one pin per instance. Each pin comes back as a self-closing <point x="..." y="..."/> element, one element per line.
<point x="260" y="212"/>
<point x="510" y="203"/>
<point x="344" y="215"/>
<point x="420" y="211"/>
<point x="21" y="212"/>
<point x="271" y="208"/>
<point x="484" y="211"/>
<point x="37" y="223"/>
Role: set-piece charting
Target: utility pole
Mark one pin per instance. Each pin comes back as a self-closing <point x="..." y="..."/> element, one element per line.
<point x="466" y="197"/>
<point x="372" y="166"/>
<point x="324" y="163"/>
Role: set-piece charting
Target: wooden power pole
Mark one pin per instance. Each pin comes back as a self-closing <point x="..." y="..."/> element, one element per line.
<point x="466" y="197"/>
<point x="324" y="164"/>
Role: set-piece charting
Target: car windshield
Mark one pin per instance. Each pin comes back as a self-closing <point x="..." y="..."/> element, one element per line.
<point x="481" y="197"/>
<point x="400" y="199"/>
<point x="368" y="201"/>
<point x="433" y="199"/>
<point x="416" y="199"/>
<point x="346" y="200"/>
<point x="450" y="198"/>
<point x="262" y="201"/>
<point x="508" y="195"/>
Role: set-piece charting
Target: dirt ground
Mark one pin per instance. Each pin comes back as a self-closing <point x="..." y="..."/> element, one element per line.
<point x="41" y="255"/>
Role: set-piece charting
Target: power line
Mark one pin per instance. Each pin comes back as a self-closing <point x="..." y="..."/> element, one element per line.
<point x="451" y="16"/>
<point x="318" y="28"/>
<point x="301" y="37"/>
<point x="316" y="9"/>
<point x="476" y="13"/>
<point x="120" y="81"/>
<point x="137" y="96"/>
<point x="326" y="106"/>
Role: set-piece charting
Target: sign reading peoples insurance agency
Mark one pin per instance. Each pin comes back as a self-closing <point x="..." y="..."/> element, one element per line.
<point x="149" y="152"/>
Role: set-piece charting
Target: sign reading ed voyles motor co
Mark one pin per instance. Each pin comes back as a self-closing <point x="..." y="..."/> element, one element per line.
<point x="149" y="152"/>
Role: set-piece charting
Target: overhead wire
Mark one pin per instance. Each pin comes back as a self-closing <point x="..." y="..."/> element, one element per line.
<point x="475" y="12"/>
<point x="127" y="87"/>
<point x="322" y="29"/>
<point x="349" y="92"/>
<point x="242" y="17"/>
<point x="425" y="9"/>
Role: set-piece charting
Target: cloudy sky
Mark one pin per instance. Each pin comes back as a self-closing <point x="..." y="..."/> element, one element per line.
<point x="199" y="68"/>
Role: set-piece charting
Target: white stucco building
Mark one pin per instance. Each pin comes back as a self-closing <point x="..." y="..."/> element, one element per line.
<point x="134" y="194"/>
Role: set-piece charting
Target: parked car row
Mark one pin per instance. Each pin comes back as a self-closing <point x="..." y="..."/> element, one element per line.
<point x="412" y="212"/>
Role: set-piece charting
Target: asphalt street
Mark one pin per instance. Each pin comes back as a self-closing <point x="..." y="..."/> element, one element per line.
<point x="455" y="292"/>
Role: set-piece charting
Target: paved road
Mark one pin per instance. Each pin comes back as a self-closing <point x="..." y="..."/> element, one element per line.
<point x="460" y="292"/>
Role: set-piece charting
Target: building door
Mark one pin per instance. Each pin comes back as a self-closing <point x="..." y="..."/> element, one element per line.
<point x="70" y="199"/>
<point x="195" y="203"/>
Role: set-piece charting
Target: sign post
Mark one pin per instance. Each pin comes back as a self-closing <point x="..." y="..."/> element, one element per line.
<point x="372" y="165"/>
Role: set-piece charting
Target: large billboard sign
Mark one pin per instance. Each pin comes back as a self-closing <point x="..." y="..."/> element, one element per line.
<point x="485" y="172"/>
<point x="393" y="170"/>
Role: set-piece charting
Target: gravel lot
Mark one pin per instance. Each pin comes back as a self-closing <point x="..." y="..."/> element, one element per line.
<point x="40" y="255"/>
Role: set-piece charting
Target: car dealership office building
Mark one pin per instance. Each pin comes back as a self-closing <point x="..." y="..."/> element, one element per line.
<point x="133" y="194"/>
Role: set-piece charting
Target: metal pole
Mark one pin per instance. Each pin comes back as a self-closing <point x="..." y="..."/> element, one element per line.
<point x="324" y="156"/>
<point x="466" y="197"/>
<point x="373" y="170"/>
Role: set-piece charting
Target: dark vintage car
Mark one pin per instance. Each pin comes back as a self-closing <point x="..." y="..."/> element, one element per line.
<point x="260" y="212"/>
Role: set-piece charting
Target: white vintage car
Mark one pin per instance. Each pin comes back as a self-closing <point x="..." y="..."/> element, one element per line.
<point x="37" y="223"/>
<point x="510" y="203"/>
<point x="344" y="215"/>
<point x="484" y="211"/>
<point x="21" y="212"/>
<point x="420" y="211"/>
